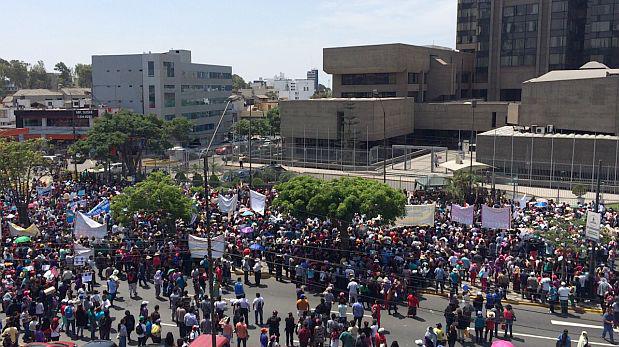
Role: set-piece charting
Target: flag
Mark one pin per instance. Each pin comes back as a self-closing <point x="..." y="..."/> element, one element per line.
<point x="462" y="215"/>
<point x="198" y="246"/>
<point x="257" y="201"/>
<point x="85" y="226"/>
<point x="225" y="204"/>
<point x="103" y="206"/>
<point x="417" y="215"/>
<point x="495" y="218"/>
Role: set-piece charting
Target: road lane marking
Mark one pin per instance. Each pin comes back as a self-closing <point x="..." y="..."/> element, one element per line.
<point x="581" y="325"/>
<point x="552" y="338"/>
<point x="168" y="324"/>
<point x="350" y="314"/>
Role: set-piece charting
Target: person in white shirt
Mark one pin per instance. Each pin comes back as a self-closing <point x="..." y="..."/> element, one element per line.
<point x="564" y="295"/>
<point x="257" y="272"/>
<point x="258" y="306"/>
<point x="353" y="291"/>
<point x="244" y="307"/>
<point x="545" y="283"/>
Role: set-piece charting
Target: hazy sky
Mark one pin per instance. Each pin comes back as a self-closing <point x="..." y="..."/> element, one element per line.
<point x="258" y="38"/>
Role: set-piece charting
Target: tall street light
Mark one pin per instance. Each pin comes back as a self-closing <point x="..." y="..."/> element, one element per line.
<point x="207" y="222"/>
<point x="473" y="104"/>
<point x="376" y="95"/>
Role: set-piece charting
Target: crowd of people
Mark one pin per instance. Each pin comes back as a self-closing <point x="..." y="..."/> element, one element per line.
<point x="366" y="267"/>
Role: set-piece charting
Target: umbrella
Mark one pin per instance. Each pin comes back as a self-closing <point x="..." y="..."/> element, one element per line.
<point x="256" y="247"/>
<point x="502" y="343"/>
<point x="10" y="216"/>
<point x="247" y="214"/>
<point x="171" y="271"/>
<point x="22" y="239"/>
<point x="246" y="251"/>
<point x="247" y="230"/>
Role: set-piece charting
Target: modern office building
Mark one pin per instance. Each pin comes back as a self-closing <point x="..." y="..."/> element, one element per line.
<point x="166" y="84"/>
<point x="313" y="75"/>
<point x="517" y="40"/>
<point x="294" y="89"/>
<point x="426" y="74"/>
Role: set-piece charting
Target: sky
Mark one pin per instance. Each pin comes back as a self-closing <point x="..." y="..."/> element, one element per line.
<point x="257" y="38"/>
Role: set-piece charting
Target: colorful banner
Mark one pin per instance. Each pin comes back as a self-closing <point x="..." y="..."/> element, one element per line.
<point x="102" y="207"/>
<point x="198" y="246"/>
<point x="85" y="226"/>
<point x="227" y="205"/>
<point x="495" y="218"/>
<point x="462" y="215"/>
<point x="417" y="215"/>
<point x="257" y="201"/>
<point x="32" y="230"/>
<point x="592" y="230"/>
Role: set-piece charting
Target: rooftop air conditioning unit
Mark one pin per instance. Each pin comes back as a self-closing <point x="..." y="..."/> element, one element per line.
<point x="550" y="129"/>
<point x="539" y="130"/>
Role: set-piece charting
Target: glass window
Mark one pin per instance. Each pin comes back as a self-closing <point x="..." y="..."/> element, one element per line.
<point x="529" y="60"/>
<point x="151" y="96"/>
<point x="368" y="79"/>
<point x="531" y="42"/>
<point x="169" y="66"/>
<point x="29" y="122"/>
<point x="521" y="10"/>
<point x="413" y="78"/>
<point x="557" y="41"/>
<point x="508" y="11"/>
<point x="169" y="99"/>
<point x="533" y="9"/>
<point x="151" y="69"/>
<point x="169" y="86"/>
<point x="531" y="26"/>
<point x="559" y="6"/>
<point x="169" y="116"/>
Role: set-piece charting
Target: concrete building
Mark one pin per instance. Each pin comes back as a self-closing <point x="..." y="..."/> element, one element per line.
<point x="47" y="98"/>
<point x="358" y="119"/>
<point x="55" y="124"/>
<point x="398" y="70"/>
<point x="7" y="117"/>
<point x="583" y="100"/>
<point x="166" y="84"/>
<point x="517" y="40"/>
<point x="313" y="75"/>
<point x="294" y="89"/>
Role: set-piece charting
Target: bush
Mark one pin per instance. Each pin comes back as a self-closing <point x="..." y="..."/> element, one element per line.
<point x="199" y="189"/>
<point x="285" y="176"/>
<point x="579" y="190"/>
<point x="180" y="177"/>
<point x="197" y="180"/>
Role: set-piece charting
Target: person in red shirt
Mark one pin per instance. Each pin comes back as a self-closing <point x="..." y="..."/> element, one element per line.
<point x="304" y="336"/>
<point x="381" y="339"/>
<point x="413" y="304"/>
<point x="376" y="312"/>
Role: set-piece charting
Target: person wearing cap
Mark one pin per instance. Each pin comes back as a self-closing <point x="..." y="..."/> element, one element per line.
<point x="490" y="325"/>
<point x="480" y="324"/>
<point x="381" y="339"/>
<point x="257" y="271"/>
<point x="564" y="296"/>
<point x="273" y="324"/>
<point x="140" y="330"/>
<point x="608" y="320"/>
<point x="264" y="337"/>
<point x="302" y="305"/>
<point x="564" y="340"/>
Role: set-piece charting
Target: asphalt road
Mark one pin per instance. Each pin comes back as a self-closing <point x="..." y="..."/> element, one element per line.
<point x="534" y="326"/>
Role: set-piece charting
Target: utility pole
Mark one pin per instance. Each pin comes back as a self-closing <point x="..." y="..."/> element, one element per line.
<point x="473" y="105"/>
<point x="376" y="95"/>
<point x="593" y="243"/>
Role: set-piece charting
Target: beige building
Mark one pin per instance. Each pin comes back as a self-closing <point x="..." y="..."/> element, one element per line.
<point x="583" y="100"/>
<point x="399" y="70"/>
<point x="46" y="98"/>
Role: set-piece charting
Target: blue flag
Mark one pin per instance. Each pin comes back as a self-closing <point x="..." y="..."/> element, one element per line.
<point x="103" y="206"/>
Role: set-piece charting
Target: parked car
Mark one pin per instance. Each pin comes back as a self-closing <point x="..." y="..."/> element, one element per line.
<point x="227" y="149"/>
<point x="51" y="344"/>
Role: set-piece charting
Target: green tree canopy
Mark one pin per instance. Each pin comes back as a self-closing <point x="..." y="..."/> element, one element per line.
<point x="156" y="195"/>
<point x="15" y="71"/>
<point x="274" y="121"/>
<point x="258" y="127"/>
<point x="20" y="163"/>
<point x="238" y="82"/>
<point x="66" y="75"/>
<point x="37" y="76"/>
<point x="84" y="75"/>
<point x="340" y="199"/>
<point x="129" y="135"/>
<point x="458" y="185"/>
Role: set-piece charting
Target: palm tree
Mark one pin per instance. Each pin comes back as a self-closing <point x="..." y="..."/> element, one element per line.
<point x="458" y="185"/>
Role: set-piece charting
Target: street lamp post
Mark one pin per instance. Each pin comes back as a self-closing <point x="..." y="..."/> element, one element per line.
<point x="376" y="95"/>
<point x="207" y="220"/>
<point x="473" y="104"/>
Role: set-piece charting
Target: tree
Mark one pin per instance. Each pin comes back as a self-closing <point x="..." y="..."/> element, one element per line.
<point x="157" y="195"/>
<point x="20" y="164"/>
<point x="274" y="121"/>
<point x="340" y="199"/>
<point x="197" y="180"/>
<point x="129" y="135"/>
<point x="258" y="127"/>
<point x="66" y="75"/>
<point x="16" y="71"/>
<point x="322" y="92"/>
<point x="37" y="76"/>
<point x="84" y="75"/>
<point x="458" y="185"/>
<point x="179" y="130"/>
<point x="238" y="82"/>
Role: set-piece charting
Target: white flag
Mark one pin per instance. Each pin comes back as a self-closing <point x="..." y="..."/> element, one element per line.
<point x="257" y="201"/>
<point x="227" y="205"/>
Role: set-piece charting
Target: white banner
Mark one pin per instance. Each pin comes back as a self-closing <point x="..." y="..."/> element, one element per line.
<point x="257" y="201"/>
<point x="462" y="215"/>
<point x="198" y="246"/>
<point x="32" y="230"/>
<point x="495" y="218"/>
<point x="592" y="231"/>
<point x="417" y="215"/>
<point x="81" y="254"/>
<point x="227" y="205"/>
<point x="85" y="226"/>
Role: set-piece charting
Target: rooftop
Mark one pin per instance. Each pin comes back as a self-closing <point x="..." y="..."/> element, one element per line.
<point x="509" y="131"/>
<point x="592" y="69"/>
<point x="36" y="92"/>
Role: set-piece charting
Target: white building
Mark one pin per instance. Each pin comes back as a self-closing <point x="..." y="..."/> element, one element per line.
<point x="294" y="89"/>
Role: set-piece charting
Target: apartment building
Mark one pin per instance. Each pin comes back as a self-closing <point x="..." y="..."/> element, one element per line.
<point x="167" y="84"/>
<point x="517" y="40"/>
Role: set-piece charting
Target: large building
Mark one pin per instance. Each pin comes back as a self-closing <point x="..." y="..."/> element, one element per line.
<point x="398" y="70"/>
<point x="517" y="40"/>
<point x="294" y="89"/>
<point x="313" y="75"/>
<point x="166" y="84"/>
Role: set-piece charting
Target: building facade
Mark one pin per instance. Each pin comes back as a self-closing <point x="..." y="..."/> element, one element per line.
<point x="294" y="89"/>
<point x="517" y="40"/>
<point x="168" y="85"/>
<point x="55" y="124"/>
<point x="313" y="75"/>
<point x="399" y="70"/>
